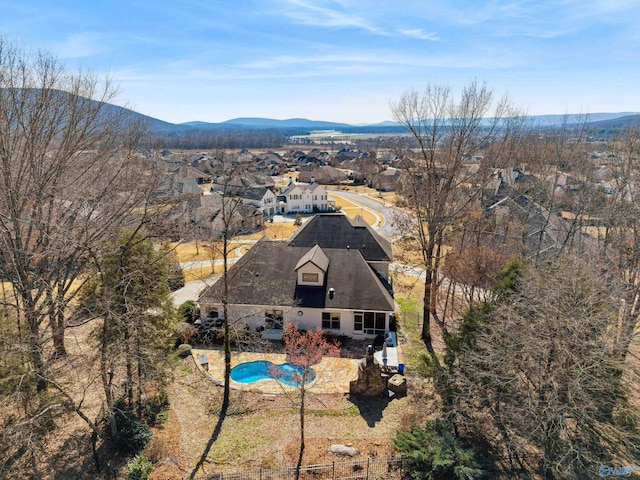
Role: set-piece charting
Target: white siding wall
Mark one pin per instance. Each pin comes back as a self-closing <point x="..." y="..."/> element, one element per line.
<point x="306" y="199"/>
<point x="311" y="318"/>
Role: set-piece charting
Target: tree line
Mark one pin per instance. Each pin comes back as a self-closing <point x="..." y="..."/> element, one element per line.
<point x="77" y="217"/>
<point x="531" y="283"/>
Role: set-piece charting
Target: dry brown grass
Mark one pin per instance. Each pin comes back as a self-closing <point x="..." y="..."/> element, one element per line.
<point x="352" y="209"/>
<point x="262" y="431"/>
<point x="273" y="231"/>
<point x="165" y="450"/>
<point x="200" y="273"/>
<point x="406" y="250"/>
<point x="202" y="251"/>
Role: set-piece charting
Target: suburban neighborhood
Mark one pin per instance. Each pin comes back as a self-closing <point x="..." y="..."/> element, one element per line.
<point x="260" y="242"/>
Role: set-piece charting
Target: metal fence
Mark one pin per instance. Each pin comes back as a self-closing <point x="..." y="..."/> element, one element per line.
<point x="373" y="468"/>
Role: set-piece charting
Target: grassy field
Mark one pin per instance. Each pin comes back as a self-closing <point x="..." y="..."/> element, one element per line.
<point x="273" y="231"/>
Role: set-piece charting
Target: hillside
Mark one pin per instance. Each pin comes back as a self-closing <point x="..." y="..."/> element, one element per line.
<point x="293" y="126"/>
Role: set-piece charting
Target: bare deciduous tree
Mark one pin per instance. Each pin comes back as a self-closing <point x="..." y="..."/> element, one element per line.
<point x="439" y="188"/>
<point x="304" y="349"/>
<point x="547" y="380"/>
<point x="68" y="174"/>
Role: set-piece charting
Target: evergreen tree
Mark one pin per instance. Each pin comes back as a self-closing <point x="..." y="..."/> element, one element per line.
<point x="131" y="294"/>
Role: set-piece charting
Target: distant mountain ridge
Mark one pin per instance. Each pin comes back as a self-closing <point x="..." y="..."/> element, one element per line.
<point x="617" y="123"/>
<point x="258" y="122"/>
<point x="303" y="123"/>
<point x="299" y="125"/>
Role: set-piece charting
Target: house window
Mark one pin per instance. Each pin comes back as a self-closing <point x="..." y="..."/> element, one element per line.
<point x="358" y="320"/>
<point x="330" y="321"/>
<point x="273" y="319"/>
<point x="213" y="313"/>
<point x="310" y="277"/>
<point x="374" y="322"/>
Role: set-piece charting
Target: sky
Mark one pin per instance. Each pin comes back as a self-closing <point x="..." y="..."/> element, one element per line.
<point x="338" y="60"/>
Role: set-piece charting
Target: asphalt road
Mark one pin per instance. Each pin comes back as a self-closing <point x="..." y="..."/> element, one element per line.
<point x="389" y="228"/>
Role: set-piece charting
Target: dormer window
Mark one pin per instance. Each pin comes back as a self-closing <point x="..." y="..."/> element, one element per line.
<point x="310" y="277"/>
<point x="312" y="267"/>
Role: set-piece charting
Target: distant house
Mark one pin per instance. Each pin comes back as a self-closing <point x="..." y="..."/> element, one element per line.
<point x="262" y="198"/>
<point x="304" y="198"/>
<point x="387" y="180"/>
<point x="330" y="284"/>
<point x="206" y="213"/>
<point x="325" y="175"/>
<point x="187" y="172"/>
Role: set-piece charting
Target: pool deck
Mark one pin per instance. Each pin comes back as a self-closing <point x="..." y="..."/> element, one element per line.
<point x="332" y="374"/>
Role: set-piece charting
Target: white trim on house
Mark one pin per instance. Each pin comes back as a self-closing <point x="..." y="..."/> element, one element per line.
<point x="254" y="317"/>
<point x="305" y="198"/>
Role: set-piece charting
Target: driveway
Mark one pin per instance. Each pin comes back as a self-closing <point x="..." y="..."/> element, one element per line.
<point x="191" y="290"/>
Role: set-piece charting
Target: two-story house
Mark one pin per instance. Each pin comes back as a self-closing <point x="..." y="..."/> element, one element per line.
<point x="262" y="198"/>
<point x="304" y="198"/>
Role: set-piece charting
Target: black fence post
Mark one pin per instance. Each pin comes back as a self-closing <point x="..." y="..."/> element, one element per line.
<point x="333" y="470"/>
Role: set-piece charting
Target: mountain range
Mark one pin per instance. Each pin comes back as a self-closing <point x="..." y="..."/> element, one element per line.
<point x="156" y="126"/>
<point x="302" y="125"/>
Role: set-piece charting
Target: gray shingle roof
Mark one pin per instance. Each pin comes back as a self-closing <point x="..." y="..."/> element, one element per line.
<point x="254" y="193"/>
<point x="266" y="275"/>
<point x="335" y="230"/>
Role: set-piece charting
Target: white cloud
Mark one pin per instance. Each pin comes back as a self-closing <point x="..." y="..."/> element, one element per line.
<point x="79" y="45"/>
<point x="306" y="13"/>
<point x="419" y="34"/>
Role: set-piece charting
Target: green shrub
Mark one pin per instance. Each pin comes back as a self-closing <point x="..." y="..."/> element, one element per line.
<point x="435" y="453"/>
<point x="424" y="366"/>
<point x="184" y="350"/>
<point x="472" y="321"/>
<point x="133" y="434"/>
<point x="393" y="323"/>
<point x="189" y="311"/>
<point x="155" y="410"/>
<point x="139" y="468"/>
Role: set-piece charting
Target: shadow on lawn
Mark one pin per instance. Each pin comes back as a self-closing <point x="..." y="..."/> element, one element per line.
<point x="214" y="436"/>
<point x="371" y="408"/>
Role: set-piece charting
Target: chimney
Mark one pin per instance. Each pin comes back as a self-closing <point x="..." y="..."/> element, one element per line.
<point x="290" y="180"/>
<point x="313" y="180"/>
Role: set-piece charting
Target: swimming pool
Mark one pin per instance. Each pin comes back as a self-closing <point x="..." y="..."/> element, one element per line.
<point x="261" y="369"/>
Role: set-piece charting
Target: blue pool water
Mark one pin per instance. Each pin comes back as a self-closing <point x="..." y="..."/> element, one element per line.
<point x="261" y="369"/>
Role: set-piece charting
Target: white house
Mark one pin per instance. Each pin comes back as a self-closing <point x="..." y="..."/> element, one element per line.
<point x="335" y="289"/>
<point x="262" y="198"/>
<point x="305" y="198"/>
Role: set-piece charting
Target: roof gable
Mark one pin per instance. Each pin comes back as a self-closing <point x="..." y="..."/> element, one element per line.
<point x="315" y="256"/>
